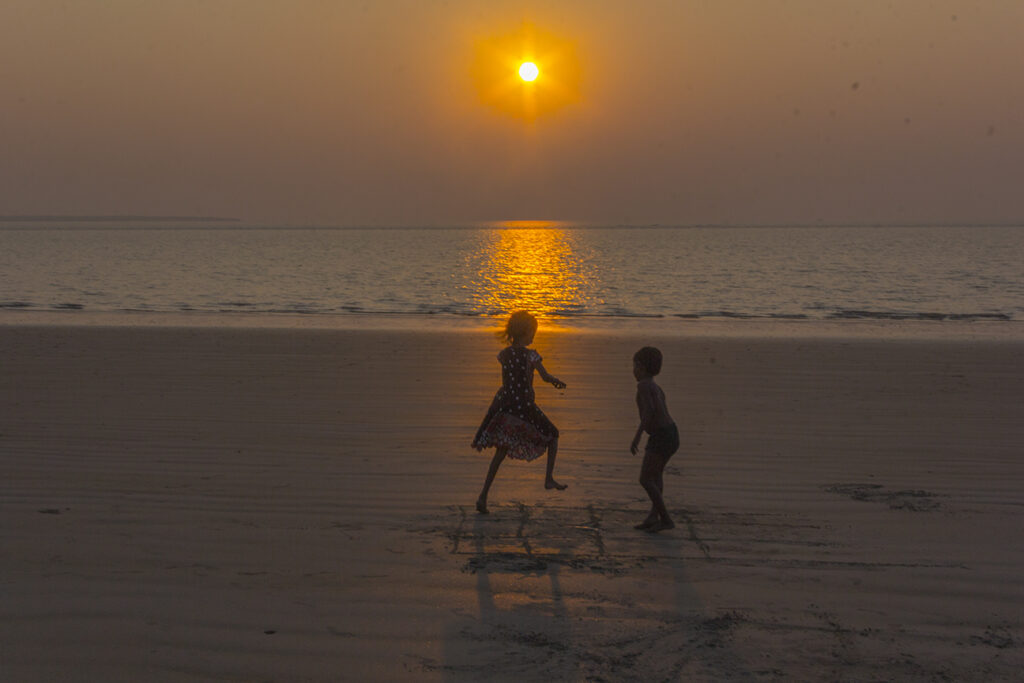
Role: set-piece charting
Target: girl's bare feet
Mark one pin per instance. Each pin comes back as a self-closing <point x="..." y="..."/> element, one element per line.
<point x="552" y="484"/>
<point x="661" y="525"/>
<point x="481" y="507"/>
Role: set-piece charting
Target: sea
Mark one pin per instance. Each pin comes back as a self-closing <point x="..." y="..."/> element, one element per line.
<point x="569" y="273"/>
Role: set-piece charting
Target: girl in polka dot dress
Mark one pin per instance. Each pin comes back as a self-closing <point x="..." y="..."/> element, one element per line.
<point x="514" y="425"/>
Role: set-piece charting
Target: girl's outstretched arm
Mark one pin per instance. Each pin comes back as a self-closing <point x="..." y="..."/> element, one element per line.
<point x="550" y="379"/>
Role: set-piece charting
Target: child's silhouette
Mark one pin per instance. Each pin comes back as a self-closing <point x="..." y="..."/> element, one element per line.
<point x="663" y="440"/>
<point x="514" y="425"/>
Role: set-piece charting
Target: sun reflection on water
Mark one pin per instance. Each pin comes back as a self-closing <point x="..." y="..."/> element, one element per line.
<point x="526" y="266"/>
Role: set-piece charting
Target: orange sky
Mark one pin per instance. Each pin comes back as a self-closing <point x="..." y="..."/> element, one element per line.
<point x="371" y="113"/>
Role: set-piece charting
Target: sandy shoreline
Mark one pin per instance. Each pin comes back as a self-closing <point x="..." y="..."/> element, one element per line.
<point x="201" y="503"/>
<point x="627" y="327"/>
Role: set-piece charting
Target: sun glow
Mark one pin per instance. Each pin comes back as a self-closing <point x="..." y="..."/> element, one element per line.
<point x="507" y="75"/>
<point x="528" y="71"/>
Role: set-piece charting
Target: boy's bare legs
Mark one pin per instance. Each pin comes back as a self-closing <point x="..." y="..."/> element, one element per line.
<point x="652" y="479"/>
<point x="650" y="519"/>
<point x="652" y="516"/>
<point x="649" y="470"/>
<point x="660" y="483"/>
<point x="499" y="455"/>
<point x="549" y="479"/>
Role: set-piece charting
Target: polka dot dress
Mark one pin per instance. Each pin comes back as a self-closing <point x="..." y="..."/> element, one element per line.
<point x="514" y="420"/>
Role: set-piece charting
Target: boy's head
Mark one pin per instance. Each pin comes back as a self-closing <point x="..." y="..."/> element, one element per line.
<point x="647" y="359"/>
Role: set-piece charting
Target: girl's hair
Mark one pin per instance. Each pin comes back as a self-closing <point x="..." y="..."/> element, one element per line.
<point x="519" y="325"/>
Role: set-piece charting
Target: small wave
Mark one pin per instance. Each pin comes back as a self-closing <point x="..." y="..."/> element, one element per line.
<point x="15" y="304"/>
<point x="617" y="314"/>
<point x="742" y="316"/>
<point x="896" y="315"/>
<point x="980" y="316"/>
<point x="718" y="314"/>
<point x="427" y="309"/>
<point x="69" y="307"/>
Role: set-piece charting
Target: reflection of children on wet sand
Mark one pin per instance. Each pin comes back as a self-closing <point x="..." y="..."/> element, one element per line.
<point x="663" y="439"/>
<point x="514" y="425"/>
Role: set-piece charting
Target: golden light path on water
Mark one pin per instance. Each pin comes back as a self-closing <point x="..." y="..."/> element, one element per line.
<point x="534" y="266"/>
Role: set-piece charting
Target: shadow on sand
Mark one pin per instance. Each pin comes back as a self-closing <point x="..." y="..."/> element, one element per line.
<point x="568" y="593"/>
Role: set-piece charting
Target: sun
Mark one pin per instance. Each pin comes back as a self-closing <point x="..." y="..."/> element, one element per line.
<point x="528" y="71"/>
<point x="506" y="71"/>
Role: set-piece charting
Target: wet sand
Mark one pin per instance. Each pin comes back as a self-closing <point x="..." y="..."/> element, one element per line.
<point x="204" y="503"/>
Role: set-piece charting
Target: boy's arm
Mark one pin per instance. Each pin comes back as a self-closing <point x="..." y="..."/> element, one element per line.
<point x="550" y="379"/>
<point x="643" y="404"/>
<point x="634" y="448"/>
<point x="645" y="400"/>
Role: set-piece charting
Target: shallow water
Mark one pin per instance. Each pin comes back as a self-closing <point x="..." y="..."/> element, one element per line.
<point x="563" y="273"/>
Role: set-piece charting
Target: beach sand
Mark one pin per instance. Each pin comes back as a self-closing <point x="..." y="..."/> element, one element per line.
<point x="204" y="503"/>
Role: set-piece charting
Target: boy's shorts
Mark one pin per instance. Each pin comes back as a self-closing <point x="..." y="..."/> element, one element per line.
<point x="663" y="441"/>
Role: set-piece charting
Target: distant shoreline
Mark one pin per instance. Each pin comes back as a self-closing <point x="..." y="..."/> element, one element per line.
<point x="118" y="219"/>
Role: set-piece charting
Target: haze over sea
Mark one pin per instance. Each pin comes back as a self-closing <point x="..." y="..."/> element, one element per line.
<point x="577" y="275"/>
